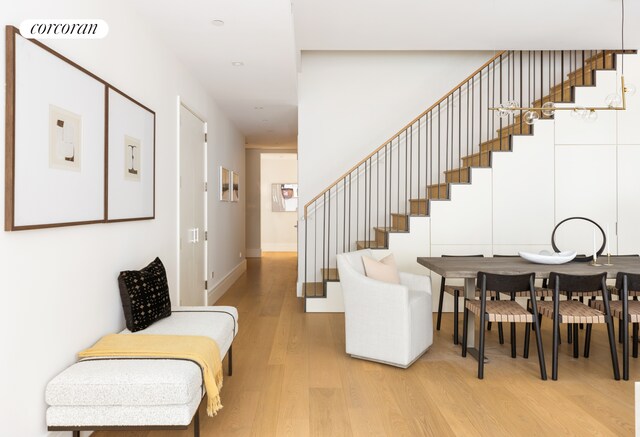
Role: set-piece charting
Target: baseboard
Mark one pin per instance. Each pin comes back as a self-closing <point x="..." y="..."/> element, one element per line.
<point x="67" y="433"/>
<point x="280" y="247"/>
<point x="254" y="253"/>
<point x="221" y="287"/>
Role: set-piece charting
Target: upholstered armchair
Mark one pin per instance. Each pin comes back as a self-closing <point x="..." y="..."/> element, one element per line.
<point x="388" y="323"/>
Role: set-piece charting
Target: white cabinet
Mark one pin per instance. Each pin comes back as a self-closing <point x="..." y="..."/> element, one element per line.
<point x="629" y="199"/>
<point x="586" y="187"/>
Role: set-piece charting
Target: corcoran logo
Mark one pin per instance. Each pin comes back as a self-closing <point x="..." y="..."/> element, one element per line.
<point x="64" y="29"/>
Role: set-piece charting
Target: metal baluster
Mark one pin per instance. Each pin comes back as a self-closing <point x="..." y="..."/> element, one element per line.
<point x="438" y="147"/>
<point x="446" y="145"/>
<point x="406" y="163"/>
<point x="385" y="187"/>
<point x="480" y="111"/>
<point x="370" y="223"/>
<point x="350" y="189"/>
<point x="324" y="228"/>
<point x="521" y="102"/>
<point x="419" y="162"/>
<point x="328" y="235"/>
<point x="410" y="169"/>
<point x="357" y="204"/>
<point x="460" y="137"/>
<point x="344" y="214"/>
<point x="378" y="190"/>
<point x="306" y="253"/>
<point x="468" y="130"/>
<point x="315" y="245"/>
<point x="398" y="148"/>
<point x="562" y="76"/>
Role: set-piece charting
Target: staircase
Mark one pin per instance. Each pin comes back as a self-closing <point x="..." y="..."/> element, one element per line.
<point x="400" y="180"/>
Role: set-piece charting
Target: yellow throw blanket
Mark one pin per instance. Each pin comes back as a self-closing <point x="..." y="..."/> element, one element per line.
<point x="202" y="350"/>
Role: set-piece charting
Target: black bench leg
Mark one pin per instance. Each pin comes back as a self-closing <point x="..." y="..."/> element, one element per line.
<point x="196" y="424"/>
<point x="230" y="360"/>
<point x="76" y="433"/>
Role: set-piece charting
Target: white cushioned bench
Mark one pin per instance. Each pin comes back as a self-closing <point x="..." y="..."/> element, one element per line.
<point x="131" y="393"/>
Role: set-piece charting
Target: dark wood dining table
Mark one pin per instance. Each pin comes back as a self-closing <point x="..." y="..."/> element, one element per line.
<point x="467" y="268"/>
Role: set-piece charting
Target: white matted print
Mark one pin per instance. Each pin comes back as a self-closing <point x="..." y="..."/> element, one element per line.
<point x="48" y="87"/>
<point x="65" y="139"/>
<point x="132" y="158"/>
<point x="235" y="190"/>
<point x="131" y="151"/>
<point x="225" y="184"/>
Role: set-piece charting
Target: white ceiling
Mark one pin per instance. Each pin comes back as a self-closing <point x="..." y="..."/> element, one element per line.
<point x="260" y="33"/>
<point x="463" y="24"/>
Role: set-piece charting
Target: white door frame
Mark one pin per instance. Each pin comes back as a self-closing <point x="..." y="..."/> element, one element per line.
<point x="181" y="104"/>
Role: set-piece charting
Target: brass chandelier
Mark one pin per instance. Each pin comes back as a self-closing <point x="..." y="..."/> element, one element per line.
<point x="613" y="102"/>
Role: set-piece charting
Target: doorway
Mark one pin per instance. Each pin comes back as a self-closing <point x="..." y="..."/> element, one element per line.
<point x="193" y="200"/>
<point x="278" y="202"/>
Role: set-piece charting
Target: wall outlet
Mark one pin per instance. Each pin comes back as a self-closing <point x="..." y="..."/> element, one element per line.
<point x="240" y="256"/>
<point x="212" y="273"/>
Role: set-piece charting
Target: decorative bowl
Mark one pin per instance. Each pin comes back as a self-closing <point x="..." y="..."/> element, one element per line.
<point x="546" y="257"/>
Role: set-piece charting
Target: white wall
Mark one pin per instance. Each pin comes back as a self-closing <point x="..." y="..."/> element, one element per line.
<point x="59" y="286"/>
<point x="351" y="102"/>
<point x="277" y="229"/>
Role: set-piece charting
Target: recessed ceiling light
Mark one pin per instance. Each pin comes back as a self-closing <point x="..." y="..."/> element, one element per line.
<point x="237" y="63"/>
<point x="218" y="23"/>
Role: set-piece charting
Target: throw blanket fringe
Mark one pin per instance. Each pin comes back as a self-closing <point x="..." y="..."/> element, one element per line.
<point x="202" y="350"/>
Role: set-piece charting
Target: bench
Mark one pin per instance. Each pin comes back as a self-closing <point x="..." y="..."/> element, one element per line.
<point x="140" y="393"/>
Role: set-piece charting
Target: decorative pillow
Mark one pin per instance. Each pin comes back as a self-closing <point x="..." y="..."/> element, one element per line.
<point x="384" y="270"/>
<point x="145" y="295"/>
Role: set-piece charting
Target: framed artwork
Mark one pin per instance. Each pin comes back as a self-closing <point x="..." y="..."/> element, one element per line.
<point x="55" y="138"/>
<point x="131" y="159"/>
<point x="284" y="197"/>
<point x="225" y="184"/>
<point x="235" y="191"/>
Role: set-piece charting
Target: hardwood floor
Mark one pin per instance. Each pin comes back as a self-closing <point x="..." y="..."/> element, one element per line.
<point x="292" y="378"/>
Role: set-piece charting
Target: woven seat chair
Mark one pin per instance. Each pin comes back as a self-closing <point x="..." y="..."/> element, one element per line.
<point x="541" y="292"/>
<point x="503" y="311"/>
<point x="457" y="291"/>
<point x="574" y="313"/>
<point x="627" y="285"/>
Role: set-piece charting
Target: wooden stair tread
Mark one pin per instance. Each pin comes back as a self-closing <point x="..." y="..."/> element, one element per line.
<point x="500" y="143"/>
<point x="330" y="274"/>
<point x="368" y="244"/>
<point x="389" y="229"/>
<point x="313" y="289"/>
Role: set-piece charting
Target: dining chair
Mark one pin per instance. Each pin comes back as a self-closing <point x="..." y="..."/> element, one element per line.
<point x="615" y="291"/>
<point x="627" y="311"/>
<point x="503" y="311"/>
<point x="457" y="291"/>
<point x="574" y="312"/>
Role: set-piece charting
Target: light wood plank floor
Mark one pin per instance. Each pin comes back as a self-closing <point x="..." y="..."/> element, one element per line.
<point x="292" y="378"/>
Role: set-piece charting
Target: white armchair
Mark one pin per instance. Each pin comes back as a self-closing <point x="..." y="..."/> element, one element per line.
<point x="388" y="323"/>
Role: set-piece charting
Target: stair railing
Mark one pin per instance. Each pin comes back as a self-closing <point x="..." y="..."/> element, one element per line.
<point x="418" y="163"/>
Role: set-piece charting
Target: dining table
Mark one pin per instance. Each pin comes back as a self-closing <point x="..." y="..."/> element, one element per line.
<point x="467" y="268"/>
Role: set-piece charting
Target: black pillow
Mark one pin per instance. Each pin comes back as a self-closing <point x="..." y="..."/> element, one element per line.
<point x="145" y="295"/>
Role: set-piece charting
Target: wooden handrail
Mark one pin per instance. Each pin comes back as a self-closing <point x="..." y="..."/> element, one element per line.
<point x="454" y="89"/>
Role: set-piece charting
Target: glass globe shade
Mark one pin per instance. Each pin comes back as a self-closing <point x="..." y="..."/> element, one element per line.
<point x="548" y="109"/>
<point x="613" y="100"/>
<point x="530" y="117"/>
<point x="591" y="116"/>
